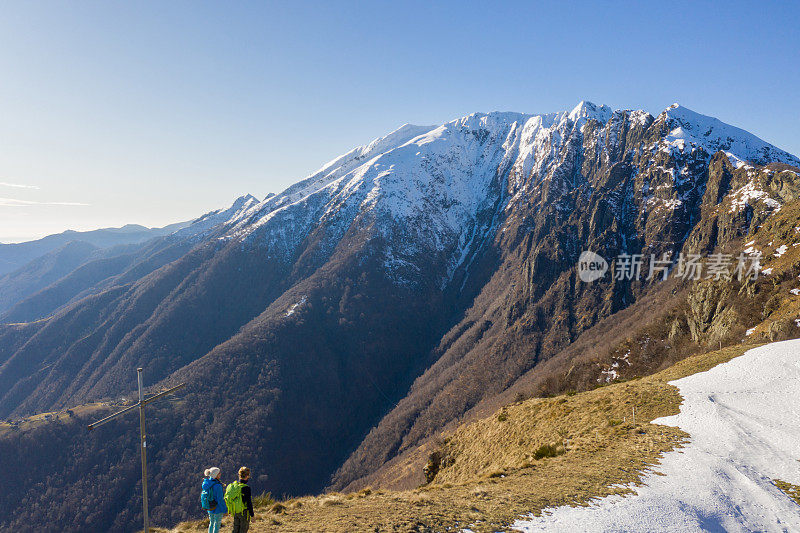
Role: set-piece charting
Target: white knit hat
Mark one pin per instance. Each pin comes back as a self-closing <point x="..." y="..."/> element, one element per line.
<point x="206" y="472"/>
<point x="213" y="472"/>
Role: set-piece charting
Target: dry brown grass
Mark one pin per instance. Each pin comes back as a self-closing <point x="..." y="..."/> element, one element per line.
<point x="793" y="491"/>
<point x="495" y="478"/>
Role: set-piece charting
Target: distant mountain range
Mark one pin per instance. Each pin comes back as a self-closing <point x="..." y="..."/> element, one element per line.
<point x="326" y="331"/>
<point x="15" y="255"/>
<point x="28" y="267"/>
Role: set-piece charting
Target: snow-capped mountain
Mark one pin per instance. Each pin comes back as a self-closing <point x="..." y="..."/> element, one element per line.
<point x="689" y="130"/>
<point x="404" y="282"/>
<point x="440" y="187"/>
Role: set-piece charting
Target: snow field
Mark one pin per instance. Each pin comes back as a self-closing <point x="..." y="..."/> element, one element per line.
<point x="744" y="420"/>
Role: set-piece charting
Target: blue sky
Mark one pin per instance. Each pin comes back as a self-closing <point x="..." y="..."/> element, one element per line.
<point x="155" y="112"/>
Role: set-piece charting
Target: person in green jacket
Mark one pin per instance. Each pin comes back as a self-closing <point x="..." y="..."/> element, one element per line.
<point x="240" y="502"/>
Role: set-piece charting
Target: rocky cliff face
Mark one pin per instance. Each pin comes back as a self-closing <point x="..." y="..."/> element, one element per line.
<point x="328" y="329"/>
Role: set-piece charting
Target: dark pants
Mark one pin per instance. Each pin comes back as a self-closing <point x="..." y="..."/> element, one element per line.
<point x="241" y="522"/>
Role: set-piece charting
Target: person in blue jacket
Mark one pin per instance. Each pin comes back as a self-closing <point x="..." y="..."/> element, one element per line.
<point x="215" y="516"/>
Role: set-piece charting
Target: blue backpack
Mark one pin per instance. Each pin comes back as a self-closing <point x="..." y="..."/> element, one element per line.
<point x="207" y="500"/>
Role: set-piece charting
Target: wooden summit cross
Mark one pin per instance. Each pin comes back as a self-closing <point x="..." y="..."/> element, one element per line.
<point x="142" y="436"/>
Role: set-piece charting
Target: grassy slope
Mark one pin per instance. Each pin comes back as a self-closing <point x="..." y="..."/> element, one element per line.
<point x="495" y="478"/>
<point x="37" y="420"/>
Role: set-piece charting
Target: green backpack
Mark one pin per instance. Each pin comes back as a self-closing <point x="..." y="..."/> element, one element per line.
<point x="233" y="498"/>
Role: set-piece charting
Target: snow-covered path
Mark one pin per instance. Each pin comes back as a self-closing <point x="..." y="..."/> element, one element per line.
<point x="744" y="420"/>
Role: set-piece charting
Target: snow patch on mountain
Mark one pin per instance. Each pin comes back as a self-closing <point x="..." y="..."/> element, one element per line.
<point x="749" y="194"/>
<point x="220" y="218"/>
<point x="294" y="306"/>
